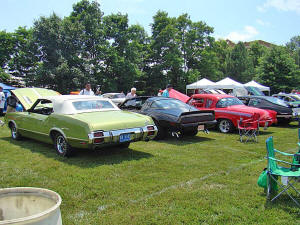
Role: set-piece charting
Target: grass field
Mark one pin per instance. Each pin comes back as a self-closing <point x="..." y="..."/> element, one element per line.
<point x="207" y="179"/>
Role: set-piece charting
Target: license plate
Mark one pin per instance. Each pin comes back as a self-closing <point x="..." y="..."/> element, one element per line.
<point x="125" y="137"/>
<point x="201" y="127"/>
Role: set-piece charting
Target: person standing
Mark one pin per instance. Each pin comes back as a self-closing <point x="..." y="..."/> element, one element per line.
<point x="87" y="90"/>
<point x="131" y="94"/>
<point x="2" y="101"/>
<point x="166" y="93"/>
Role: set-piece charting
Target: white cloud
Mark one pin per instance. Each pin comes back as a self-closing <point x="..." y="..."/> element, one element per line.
<point x="247" y="34"/>
<point x="281" y="5"/>
<point x="263" y="23"/>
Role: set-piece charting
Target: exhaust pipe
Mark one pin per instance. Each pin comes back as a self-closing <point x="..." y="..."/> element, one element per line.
<point x="175" y="134"/>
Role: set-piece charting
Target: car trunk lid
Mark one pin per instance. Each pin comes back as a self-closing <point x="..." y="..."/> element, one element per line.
<point x="112" y="120"/>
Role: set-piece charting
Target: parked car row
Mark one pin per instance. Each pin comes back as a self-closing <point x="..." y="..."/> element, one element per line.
<point x="72" y="121"/>
<point x="229" y="110"/>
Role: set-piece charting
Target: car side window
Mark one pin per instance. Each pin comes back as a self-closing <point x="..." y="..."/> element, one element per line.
<point x="208" y="103"/>
<point x="254" y="102"/>
<point x="145" y="106"/>
<point x="156" y="104"/>
<point x="44" y="107"/>
<point x="245" y="100"/>
<point x="287" y="99"/>
<point x="197" y="102"/>
<point x="130" y="103"/>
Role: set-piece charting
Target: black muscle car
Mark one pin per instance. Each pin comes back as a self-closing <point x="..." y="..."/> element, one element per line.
<point x="285" y="113"/>
<point x="171" y="115"/>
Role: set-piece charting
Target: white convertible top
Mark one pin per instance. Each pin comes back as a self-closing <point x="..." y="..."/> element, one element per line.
<point x="63" y="104"/>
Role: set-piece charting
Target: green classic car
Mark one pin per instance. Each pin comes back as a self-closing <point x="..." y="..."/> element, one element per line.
<point x="76" y="121"/>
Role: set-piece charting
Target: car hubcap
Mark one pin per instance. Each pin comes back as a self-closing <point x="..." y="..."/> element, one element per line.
<point x="14" y="132"/>
<point x="224" y="126"/>
<point x="61" y="144"/>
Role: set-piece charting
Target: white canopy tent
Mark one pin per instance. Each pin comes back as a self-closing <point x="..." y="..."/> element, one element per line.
<point x="228" y="83"/>
<point x="253" y="83"/>
<point x="203" y="83"/>
<point x="200" y="84"/>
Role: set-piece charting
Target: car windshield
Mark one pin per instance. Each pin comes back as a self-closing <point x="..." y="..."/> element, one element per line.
<point x="93" y="105"/>
<point x="254" y="91"/>
<point x="225" y="102"/>
<point x="276" y="101"/>
<point x="171" y="104"/>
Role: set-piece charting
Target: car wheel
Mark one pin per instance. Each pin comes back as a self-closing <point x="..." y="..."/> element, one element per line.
<point x="193" y="132"/>
<point x="125" y="145"/>
<point x="161" y="132"/>
<point x="225" y="126"/>
<point x="61" y="146"/>
<point x="15" y="135"/>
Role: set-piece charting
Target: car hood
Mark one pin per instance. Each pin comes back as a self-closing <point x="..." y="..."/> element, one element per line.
<point x="113" y="120"/>
<point x="28" y="96"/>
<point x="248" y="109"/>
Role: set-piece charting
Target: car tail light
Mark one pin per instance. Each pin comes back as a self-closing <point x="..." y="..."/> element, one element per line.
<point x="98" y="134"/>
<point x="151" y="130"/>
<point x="98" y="140"/>
<point x="98" y="137"/>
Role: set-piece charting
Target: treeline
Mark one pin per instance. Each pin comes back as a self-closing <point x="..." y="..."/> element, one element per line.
<point x="65" y="53"/>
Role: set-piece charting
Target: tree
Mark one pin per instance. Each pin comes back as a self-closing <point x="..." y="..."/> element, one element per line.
<point x="179" y="51"/>
<point x="278" y="70"/>
<point x="7" y="43"/>
<point x="25" y="57"/>
<point x="240" y="67"/>
<point x="294" y="47"/>
<point x="3" y="75"/>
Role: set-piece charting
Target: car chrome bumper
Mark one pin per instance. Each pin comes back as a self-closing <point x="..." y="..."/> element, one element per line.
<point x="113" y="136"/>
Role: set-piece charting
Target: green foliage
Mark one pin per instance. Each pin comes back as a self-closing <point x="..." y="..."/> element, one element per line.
<point x="7" y="43"/>
<point x="241" y="67"/>
<point x="86" y="46"/>
<point x="278" y="70"/>
<point x="294" y="48"/>
<point x="3" y="76"/>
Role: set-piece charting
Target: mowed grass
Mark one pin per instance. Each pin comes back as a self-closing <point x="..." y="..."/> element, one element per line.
<point x="207" y="179"/>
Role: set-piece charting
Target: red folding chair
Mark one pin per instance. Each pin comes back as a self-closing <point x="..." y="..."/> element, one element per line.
<point x="249" y="128"/>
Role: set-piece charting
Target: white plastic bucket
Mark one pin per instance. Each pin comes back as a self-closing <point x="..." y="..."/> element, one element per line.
<point x="27" y="205"/>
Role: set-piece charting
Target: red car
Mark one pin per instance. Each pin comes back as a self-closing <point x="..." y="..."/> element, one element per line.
<point x="228" y="109"/>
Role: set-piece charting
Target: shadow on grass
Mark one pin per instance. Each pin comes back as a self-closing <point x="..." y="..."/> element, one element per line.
<point x="185" y="140"/>
<point x="82" y="157"/>
<point x="288" y="125"/>
<point x="284" y="203"/>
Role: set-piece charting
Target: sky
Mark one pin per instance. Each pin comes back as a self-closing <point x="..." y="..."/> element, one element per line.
<point x="275" y="21"/>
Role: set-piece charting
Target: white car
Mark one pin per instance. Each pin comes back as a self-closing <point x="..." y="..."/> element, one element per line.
<point x="116" y="98"/>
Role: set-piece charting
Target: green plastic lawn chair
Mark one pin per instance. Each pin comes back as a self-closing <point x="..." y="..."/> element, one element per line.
<point x="296" y="160"/>
<point x="274" y="171"/>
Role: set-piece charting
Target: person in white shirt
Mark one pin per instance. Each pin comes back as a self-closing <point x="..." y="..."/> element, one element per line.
<point x="87" y="90"/>
<point x="2" y="101"/>
<point x="131" y="94"/>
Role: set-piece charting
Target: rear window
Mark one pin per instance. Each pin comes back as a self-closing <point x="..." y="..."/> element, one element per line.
<point x="225" y="102"/>
<point x="92" y="105"/>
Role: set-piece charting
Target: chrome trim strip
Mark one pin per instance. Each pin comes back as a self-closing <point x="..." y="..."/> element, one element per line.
<point x="234" y="113"/>
<point x="33" y="131"/>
